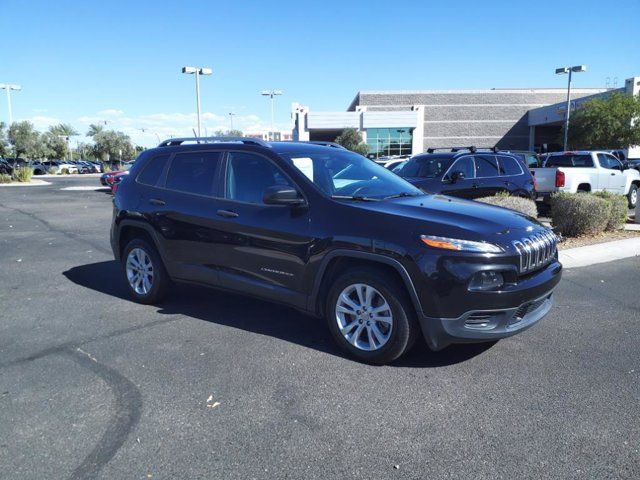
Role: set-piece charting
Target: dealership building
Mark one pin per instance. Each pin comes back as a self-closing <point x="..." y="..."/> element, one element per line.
<point x="409" y="122"/>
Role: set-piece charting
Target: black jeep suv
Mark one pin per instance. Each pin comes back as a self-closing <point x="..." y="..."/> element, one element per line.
<point x="335" y="235"/>
<point x="469" y="173"/>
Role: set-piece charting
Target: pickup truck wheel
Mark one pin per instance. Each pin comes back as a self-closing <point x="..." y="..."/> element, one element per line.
<point x="144" y="272"/>
<point x="370" y="317"/>
<point x="632" y="196"/>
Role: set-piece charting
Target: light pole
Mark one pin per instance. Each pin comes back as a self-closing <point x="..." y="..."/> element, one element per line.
<point x="271" y="94"/>
<point x="563" y="71"/>
<point x="231" y="115"/>
<point x="8" y="87"/>
<point x="197" y="71"/>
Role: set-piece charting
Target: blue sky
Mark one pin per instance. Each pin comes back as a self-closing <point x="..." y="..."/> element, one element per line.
<point x="120" y="61"/>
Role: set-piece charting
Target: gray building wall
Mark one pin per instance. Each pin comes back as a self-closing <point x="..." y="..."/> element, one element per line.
<point x="484" y="118"/>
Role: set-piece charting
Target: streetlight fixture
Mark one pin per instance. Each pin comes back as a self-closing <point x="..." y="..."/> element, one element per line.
<point x="271" y="94"/>
<point x="197" y="71"/>
<point x="8" y="87"/>
<point x="564" y="71"/>
<point x="231" y="115"/>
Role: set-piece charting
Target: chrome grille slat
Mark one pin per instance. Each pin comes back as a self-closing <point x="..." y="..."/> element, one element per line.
<point x="536" y="250"/>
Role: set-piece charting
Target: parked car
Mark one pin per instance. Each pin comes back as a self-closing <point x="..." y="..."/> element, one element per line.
<point x="634" y="163"/>
<point x="117" y="179"/>
<point x="391" y="164"/>
<point x="469" y="173"/>
<point x="586" y="171"/>
<point x="5" y="167"/>
<point x="39" y="168"/>
<point x="379" y="259"/>
<point x="529" y="158"/>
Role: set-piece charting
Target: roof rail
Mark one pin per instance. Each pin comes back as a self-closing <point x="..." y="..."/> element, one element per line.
<point x="471" y="149"/>
<point x="170" y="142"/>
<point x="324" y="144"/>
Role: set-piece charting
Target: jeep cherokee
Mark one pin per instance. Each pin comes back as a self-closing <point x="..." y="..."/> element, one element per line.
<point x="333" y="234"/>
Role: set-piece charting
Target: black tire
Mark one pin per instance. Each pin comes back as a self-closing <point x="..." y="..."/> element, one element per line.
<point x="160" y="282"/>
<point x="633" y="194"/>
<point x="405" y="326"/>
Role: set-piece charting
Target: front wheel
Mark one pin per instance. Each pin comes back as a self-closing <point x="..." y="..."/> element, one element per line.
<point x="370" y="316"/>
<point x="144" y="272"/>
<point x="632" y="196"/>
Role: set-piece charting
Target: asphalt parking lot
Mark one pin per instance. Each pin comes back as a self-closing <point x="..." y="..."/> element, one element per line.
<point x="212" y="385"/>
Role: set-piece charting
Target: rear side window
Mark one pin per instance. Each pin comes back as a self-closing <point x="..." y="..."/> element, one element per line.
<point x="193" y="172"/>
<point x="152" y="170"/>
<point x="569" y="161"/>
<point x="509" y="166"/>
<point x="486" y="166"/>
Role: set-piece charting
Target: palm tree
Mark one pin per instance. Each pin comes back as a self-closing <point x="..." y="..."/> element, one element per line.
<point x="66" y="131"/>
<point x="95" y="129"/>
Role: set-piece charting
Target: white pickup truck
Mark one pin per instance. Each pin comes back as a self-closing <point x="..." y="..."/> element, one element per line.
<point x="585" y="171"/>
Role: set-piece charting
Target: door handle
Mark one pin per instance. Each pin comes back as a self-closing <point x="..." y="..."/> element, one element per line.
<point x="613" y="174"/>
<point x="227" y="214"/>
<point x="156" y="201"/>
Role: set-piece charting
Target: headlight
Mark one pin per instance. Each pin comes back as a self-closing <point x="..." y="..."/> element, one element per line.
<point x="459" y="245"/>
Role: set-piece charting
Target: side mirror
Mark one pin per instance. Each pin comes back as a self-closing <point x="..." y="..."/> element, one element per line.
<point x="625" y="166"/>
<point x="455" y="176"/>
<point x="282" y="195"/>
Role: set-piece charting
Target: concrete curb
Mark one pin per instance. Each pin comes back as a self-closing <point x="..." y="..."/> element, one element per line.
<point x="32" y="183"/>
<point x="600" y="253"/>
<point x="70" y="175"/>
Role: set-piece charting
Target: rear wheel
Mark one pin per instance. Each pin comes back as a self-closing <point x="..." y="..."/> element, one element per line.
<point x="144" y="272"/>
<point x="632" y="196"/>
<point x="370" y="317"/>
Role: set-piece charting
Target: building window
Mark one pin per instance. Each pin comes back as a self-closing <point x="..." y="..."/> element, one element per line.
<point x="384" y="142"/>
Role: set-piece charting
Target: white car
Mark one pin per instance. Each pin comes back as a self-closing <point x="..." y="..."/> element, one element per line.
<point x="586" y="171"/>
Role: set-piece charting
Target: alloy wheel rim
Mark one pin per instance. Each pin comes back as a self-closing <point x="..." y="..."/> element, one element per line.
<point x="364" y="317"/>
<point x="139" y="271"/>
<point x="634" y="196"/>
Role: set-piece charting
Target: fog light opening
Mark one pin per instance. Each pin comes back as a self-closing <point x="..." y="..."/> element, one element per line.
<point x="484" y="281"/>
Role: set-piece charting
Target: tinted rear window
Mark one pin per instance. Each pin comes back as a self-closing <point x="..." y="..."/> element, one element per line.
<point x="486" y="166"/>
<point x="152" y="170"/>
<point x="427" y="167"/>
<point x="509" y="166"/>
<point x="569" y="161"/>
<point x="193" y="172"/>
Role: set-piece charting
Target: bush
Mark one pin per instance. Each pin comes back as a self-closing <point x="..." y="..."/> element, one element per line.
<point x="619" y="209"/>
<point x="577" y="214"/>
<point x="64" y="171"/>
<point x="106" y="168"/>
<point x="5" y="178"/>
<point x="522" y="205"/>
<point x="22" y="174"/>
<point x="52" y="170"/>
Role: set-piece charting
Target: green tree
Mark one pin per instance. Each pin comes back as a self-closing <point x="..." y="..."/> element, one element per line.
<point x="52" y="145"/>
<point x="94" y="129"/>
<point x="352" y="140"/>
<point x="4" y="144"/>
<point x="64" y="131"/>
<point x="111" y="145"/>
<point x="25" y="139"/>
<point x="612" y="121"/>
<point x="228" y="133"/>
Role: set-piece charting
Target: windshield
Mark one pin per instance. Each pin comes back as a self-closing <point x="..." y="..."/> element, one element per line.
<point x="425" y="167"/>
<point x="343" y="174"/>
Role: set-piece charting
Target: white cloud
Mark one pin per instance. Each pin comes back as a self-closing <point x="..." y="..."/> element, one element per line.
<point x="111" y="112"/>
<point x="41" y="122"/>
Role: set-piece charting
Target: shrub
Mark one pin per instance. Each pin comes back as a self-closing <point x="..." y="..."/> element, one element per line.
<point x="5" y="178"/>
<point x="619" y="209"/>
<point x="52" y="170"/>
<point x="23" y="174"/>
<point x="577" y="214"/>
<point x="64" y="171"/>
<point x="522" y="205"/>
<point x="106" y="168"/>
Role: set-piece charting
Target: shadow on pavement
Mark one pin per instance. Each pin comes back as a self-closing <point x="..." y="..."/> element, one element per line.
<point x="256" y="316"/>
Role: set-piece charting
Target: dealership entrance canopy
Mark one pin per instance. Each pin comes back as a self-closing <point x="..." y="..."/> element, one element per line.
<point x="409" y="122"/>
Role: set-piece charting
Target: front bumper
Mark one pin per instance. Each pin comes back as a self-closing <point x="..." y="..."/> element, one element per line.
<point x="499" y="314"/>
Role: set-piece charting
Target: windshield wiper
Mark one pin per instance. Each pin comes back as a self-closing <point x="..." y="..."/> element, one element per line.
<point x="402" y="194"/>
<point x="358" y="198"/>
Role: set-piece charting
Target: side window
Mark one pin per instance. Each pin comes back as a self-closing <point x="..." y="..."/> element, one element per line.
<point x="465" y="166"/>
<point x="249" y="175"/>
<point x="152" y="170"/>
<point x="614" y="163"/>
<point x="509" y="166"/>
<point x="193" y="172"/>
<point x="486" y="166"/>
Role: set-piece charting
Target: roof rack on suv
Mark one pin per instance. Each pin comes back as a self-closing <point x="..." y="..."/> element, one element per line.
<point x="170" y="142"/>
<point x="325" y="144"/>
<point x="471" y="149"/>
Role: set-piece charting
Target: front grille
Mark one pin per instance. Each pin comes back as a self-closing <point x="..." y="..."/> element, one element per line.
<point x="536" y="251"/>
<point x="527" y="308"/>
